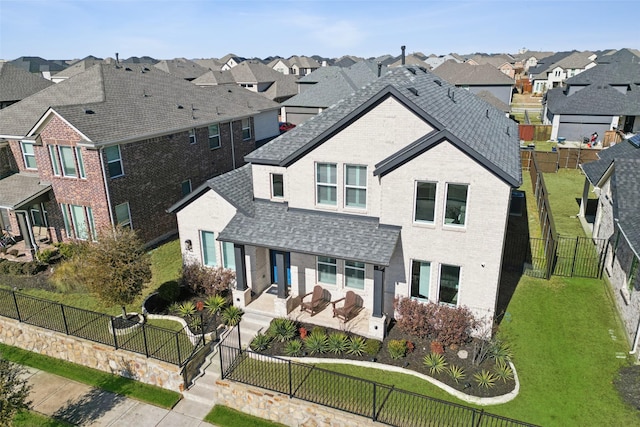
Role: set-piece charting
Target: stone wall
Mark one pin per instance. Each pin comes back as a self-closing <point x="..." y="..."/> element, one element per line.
<point x="282" y="409"/>
<point x="90" y="354"/>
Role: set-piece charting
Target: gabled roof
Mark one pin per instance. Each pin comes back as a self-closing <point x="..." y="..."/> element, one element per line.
<point x="210" y="63"/>
<point x="472" y="75"/>
<point x="112" y="104"/>
<point x="181" y="67"/>
<point x="17" y="84"/>
<point x="303" y="62"/>
<point x="546" y="64"/>
<point x="256" y="72"/>
<point x="35" y="64"/>
<point x="411" y="60"/>
<point x="622" y="55"/>
<point x="484" y="131"/>
<point x="596" y="170"/>
<point x="77" y="68"/>
<point x="18" y="189"/>
<point x="214" y="77"/>
<point x="487" y="96"/>
<point x="575" y="60"/>
<point x="615" y="73"/>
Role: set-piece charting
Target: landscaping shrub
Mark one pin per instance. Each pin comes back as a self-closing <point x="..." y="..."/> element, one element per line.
<point x="435" y="362"/>
<point x="215" y="303"/>
<point x="46" y="255"/>
<point x="21" y="268"/>
<point x="231" y="315"/>
<point x="293" y="348"/>
<point x="356" y="346"/>
<point x="169" y="291"/>
<point x="485" y="379"/>
<point x="260" y="342"/>
<point x="453" y="325"/>
<point x="437" y="347"/>
<point x="457" y="373"/>
<point x="282" y="329"/>
<point x="204" y="280"/>
<point x="372" y="347"/>
<point x="414" y="318"/>
<point x="337" y="343"/>
<point x="503" y="371"/>
<point x="316" y="343"/>
<point x="187" y="308"/>
<point x="319" y="330"/>
<point x="397" y="349"/>
<point x="69" y="250"/>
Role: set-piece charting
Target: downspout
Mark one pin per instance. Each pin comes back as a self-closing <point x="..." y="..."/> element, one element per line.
<point x="106" y="187"/>
<point x="233" y="149"/>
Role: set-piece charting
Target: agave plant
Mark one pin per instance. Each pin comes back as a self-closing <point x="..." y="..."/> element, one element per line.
<point x="500" y="352"/>
<point x="435" y="362"/>
<point x="457" y="373"/>
<point x="293" y="348"/>
<point x="187" y="308"/>
<point x="215" y="303"/>
<point x="282" y="329"/>
<point x="357" y="346"/>
<point x="485" y="378"/>
<point x="231" y="315"/>
<point x="337" y="343"/>
<point x="260" y="342"/>
<point x="316" y="343"/>
<point x="503" y="371"/>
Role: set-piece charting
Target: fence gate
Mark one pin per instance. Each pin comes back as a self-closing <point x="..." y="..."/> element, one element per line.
<point x="580" y="257"/>
<point x="230" y="351"/>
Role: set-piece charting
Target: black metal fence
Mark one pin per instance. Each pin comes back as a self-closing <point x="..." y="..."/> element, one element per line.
<point x="175" y="347"/>
<point x="382" y="403"/>
<point x="580" y="256"/>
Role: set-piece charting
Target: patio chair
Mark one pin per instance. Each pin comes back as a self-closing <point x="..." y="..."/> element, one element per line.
<point x="348" y="308"/>
<point x="317" y="300"/>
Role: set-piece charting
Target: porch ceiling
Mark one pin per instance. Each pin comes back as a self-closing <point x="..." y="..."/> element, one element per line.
<point x="19" y="189"/>
<point x="276" y="226"/>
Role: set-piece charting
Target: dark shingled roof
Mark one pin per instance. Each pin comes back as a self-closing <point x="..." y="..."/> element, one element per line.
<point x="595" y="100"/>
<point x="276" y="226"/>
<point x="17" y="84"/>
<point x="595" y="170"/>
<point x="131" y="102"/>
<point x="20" y="188"/>
<point x="472" y="75"/>
<point x="491" y="137"/>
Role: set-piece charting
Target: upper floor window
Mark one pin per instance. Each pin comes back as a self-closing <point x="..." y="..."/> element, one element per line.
<point x="29" y="155"/>
<point x="326" y="184"/>
<point x="186" y="187"/>
<point x="123" y="215"/>
<point x="420" y="279"/>
<point x="449" y="284"/>
<point x="246" y="129"/>
<point x="455" y="211"/>
<point x="68" y="162"/>
<point x="277" y="185"/>
<point x="55" y="164"/>
<point x="192" y="136"/>
<point x="425" y="201"/>
<point x="114" y="161"/>
<point x="214" y="136"/>
<point x="355" y="186"/>
<point x="80" y="163"/>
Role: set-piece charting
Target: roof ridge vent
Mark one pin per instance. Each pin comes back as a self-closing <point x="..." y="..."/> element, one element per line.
<point x="413" y="90"/>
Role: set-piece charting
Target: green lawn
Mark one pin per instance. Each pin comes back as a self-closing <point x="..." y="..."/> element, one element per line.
<point x="114" y="383"/>
<point x="224" y="416"/>
<point x="565" y="191"/>
<point x="33" y="419"/>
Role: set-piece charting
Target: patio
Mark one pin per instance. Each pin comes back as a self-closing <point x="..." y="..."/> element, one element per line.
<point x="18" y="251"/>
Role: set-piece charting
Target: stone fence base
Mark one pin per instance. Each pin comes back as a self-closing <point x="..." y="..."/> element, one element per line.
<point x="90" y="354"/>
<point x="282" y="409"/>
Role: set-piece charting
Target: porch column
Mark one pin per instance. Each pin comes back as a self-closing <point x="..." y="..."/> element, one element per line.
<point x="241" y="269"/>
<point x="378" y="290"/>
<point x="282" y="275"/>
<point x="585" y="198"/>
<point x="23" y="224"/>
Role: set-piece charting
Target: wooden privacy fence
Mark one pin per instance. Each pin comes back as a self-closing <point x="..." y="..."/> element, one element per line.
<point x="562" y="158"/>
<point x="534" y="132"/>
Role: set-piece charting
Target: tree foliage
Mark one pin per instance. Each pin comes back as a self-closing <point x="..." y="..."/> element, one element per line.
<point x="208" y="281"/>
<point x="117" y="267"/>
<point x="13" y="391"/>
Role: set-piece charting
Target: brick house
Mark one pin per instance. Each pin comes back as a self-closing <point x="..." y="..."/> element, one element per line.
<point x="118" y="145"/>
<point x="402" y="189"/>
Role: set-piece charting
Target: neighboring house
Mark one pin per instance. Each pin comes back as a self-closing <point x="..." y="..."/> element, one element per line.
<point x="17" y="84"/>
<point x="503" y="62"/>
<point x="435" y="61"/>
<point x="346" y="61"/>
<point x="229" y="61"/>
<point x="34" y="64"/>
<point x="325" y="87"/>
<point x="181" y="67"/>
<point x="622" y="55"/>
<point x="602" y="98"/>
<point x="478" y="78"/>
<point x="76" y="68"/>
<point x="138" y="60"/>
<point x="118" y="145"/>
<point x="296" y="65"/>
<point x="530" y="58"/>
<point x="256" y="77"/>
<point x="411" y="59"/>
<point x="400" y="190"/>
<point x="614" y="178"/>
<point x="558" y="68"/>
<point x="209" y="63"/>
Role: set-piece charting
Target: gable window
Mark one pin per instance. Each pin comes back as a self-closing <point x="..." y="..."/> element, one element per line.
<point x="327" y="269"/>
<point x="208" y="244"/>
<point x="326" y="188"/>
<point x="123" y="215"/>
<point x="114" y="161"/>
<point x="228" y="256"/>
<point x="277" y="185"/>
<point x="354" y="274"/>
<point x="425" y="201"/>
<point x="80" y="163"/>
<point x="186" y="187"/>
<point x="449" y="284"/>
<point x="214" y="136"/>
<point x="355" y="186"/>
<point x="68" y="162"/>
<point x="420" y="280"/>
<point x="455" y="211"/>
<point x="246" y="129"/>
<point x="55" y="164"/>
<point x="192" y="136"/>
<point x="29" y="155"/>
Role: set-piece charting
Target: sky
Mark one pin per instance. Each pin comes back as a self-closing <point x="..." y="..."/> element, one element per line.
<point x="166" y="29"/>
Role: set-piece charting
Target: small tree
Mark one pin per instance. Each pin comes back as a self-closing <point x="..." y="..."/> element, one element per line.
<point x="207" y="280"/>
<point x="13" y="391"/>
<point x="117" y="267"/>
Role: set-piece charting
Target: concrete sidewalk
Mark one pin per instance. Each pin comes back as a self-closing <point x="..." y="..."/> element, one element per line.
<point x="83" y="405"/>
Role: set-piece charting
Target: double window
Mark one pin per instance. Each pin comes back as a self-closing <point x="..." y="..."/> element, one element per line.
<point x="246" y="129"/>
<point x="214" y="136"/>
<point x="456" y="207"/>
<point x="326" y="184"/>
<point x="29" y="155"/>
<point x="123" y="215"/>
<point x="78" y="221"/>
<point x="208" y="245"/>
<point x="67" y="161"/>
<point x="114" y="161"/>
<point x="425" y="202"/>
<point x="355" y="186"/>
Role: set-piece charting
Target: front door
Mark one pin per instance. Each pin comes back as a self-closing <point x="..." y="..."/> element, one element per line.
<point x="274" y="270"/>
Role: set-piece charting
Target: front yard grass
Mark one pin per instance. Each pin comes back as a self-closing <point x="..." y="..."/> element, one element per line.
<point x="224" y="416"/>
<point x="114" y="383"/>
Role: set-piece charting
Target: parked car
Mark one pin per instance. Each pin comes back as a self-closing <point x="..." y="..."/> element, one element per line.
<point x="285" y="126"/>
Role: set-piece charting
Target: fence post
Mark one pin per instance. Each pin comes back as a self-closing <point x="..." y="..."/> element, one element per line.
<point x="144" y="337"/>
<point x="373" y="414"/>
<point x="202" y="328"/>
<point x="115" y="336"/>
<point x="178" y="347"/>
<point x="64" y="319"/>
<point x="15" y="301"/>
<point x="220" y="350"/>
<point x="239" y="343"/>
<point x="575" y="254"/>
<point x="290" y="381"/>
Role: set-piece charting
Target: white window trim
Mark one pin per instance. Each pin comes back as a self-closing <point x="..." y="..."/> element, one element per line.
<point x="192" y="136"/>
<point x="317" y="184"/>
<point x="128" y="223"/>
<point x="318" y="262"/>
<point x="55" y="162"/>
<point x="75" y="167"/>
<point x="457" y="304"/>
<point x="224" y="255"/>
<point x="412" y="260"/>
<point x="215" y="135"/>
<point x="25" y="155"/>
<point x="466" y="207"/>
<point x="364" y="277"/>
<point x="356" y="187"/>
<point x="119" y="159"/>
<point x="246" y="128"/>
<point x="82" y="172"/>
<point x="273" y="196"/>
<point x="202" y="260"/>
<point x="415" y="203"/>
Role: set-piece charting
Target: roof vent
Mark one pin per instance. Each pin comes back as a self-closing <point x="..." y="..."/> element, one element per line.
<point x="453" y="96"/>
<point x="229" y="91"/>
<point x="128" y="69"/>
<point x="88" y="111"/>
<point x="146" y="69"/>
<point x="180" y="107"/>
<point x="424" y="70"/>
<point x="438" y="82"/>
<point x="487" y="113"/>
<point x="411" y="70"/>
<point x="413" y="90"/>
<point x="508" y="133"/>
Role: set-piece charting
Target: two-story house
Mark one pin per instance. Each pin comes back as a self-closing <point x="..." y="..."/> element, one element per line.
<point x="400" y="190"/>
<point x="118" y="144"/>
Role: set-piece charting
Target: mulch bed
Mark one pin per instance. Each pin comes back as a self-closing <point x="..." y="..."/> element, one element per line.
<point x="156" y="305"/>
<point x="628" y="385"/>
<point x="414" y="361"/>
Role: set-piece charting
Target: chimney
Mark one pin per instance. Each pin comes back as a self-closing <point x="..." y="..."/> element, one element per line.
<point x="403" y="48"/>
<point x="379" y="68"/>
